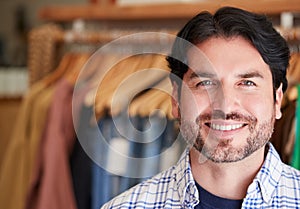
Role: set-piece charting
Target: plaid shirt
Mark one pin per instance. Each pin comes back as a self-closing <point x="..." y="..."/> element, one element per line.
<point x="275" y="186"/>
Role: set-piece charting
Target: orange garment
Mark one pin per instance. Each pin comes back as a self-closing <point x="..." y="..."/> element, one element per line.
<point x="52" y="182"/>
<point x="20" y="155"/>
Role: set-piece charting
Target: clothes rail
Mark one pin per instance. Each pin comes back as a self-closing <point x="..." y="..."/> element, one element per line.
<point x="46" y="40"/>
<point x="105" y="36"/>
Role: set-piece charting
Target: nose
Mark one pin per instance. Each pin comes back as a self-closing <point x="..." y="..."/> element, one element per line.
<point x="224" y="98"/>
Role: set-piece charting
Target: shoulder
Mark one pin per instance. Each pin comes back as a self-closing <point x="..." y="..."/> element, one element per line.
<point x="285" y="178"/>
<point x="165" y="190"/>
<point x="291" y="175"/>
<point x="278" y="168"/>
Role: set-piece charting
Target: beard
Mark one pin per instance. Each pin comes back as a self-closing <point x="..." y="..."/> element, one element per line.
<point x="223" y="151"/>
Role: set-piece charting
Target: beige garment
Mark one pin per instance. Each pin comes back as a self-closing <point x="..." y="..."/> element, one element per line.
<point x="20" y="154"/>
<point x="51" y="186"/>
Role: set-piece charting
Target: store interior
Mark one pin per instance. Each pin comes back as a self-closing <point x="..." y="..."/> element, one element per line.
<point x="66" y="73"/>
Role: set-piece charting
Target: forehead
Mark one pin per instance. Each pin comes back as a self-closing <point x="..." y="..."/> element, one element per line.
<point x="219" y="56"/>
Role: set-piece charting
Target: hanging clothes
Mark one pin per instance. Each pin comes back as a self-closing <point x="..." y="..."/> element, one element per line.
<point x="56" y="143"/>
<point x="111" y="175"/>
<point x="284" y="136"/>
<point x="283" y="129"/>
<point x="80" y="163"/>
<point x="296" y="151"/>
<point x="21" y="153"/>
<point x="20" y="158"/>
<point x="52" y="185"/>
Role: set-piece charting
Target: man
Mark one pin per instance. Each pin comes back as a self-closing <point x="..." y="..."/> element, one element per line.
<point x="227" y="90"/>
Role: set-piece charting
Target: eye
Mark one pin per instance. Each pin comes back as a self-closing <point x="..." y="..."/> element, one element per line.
<point x="205" y="83"/>
<point x="247" y="83"/>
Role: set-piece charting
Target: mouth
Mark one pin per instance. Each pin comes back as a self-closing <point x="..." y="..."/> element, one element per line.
<point x="225" y="127"/>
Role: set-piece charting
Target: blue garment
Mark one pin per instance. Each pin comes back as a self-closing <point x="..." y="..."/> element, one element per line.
<point x="151" y="146"/>
<point x="81" y="169"/>
<point x="276" y="185"/>
<point x="210" y="201"/>
<point x="102" y="180"/>
<point x="92" y="143"/>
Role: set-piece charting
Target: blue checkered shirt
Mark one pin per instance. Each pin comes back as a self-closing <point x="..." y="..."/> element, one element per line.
<point x="275" y="186"/>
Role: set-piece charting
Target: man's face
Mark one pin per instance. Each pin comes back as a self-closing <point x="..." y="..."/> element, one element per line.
<point x="226" y="107"/>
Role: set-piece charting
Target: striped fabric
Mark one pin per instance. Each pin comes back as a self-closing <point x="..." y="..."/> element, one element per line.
<point x="275" y="186"/>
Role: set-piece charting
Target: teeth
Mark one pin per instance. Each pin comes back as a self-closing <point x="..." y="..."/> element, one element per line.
<point x="225" y="127"/>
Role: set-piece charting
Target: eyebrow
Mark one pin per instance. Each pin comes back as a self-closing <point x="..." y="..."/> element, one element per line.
<point x="202" y="74"/>
<point x="253" y="74"/>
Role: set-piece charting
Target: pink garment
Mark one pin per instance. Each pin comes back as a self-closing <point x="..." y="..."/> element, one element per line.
<point x="20" y="154"/>
<point x="52" y="181"/>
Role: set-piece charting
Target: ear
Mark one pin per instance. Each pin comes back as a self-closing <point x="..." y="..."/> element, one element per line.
<point x="175" y="100"/>
<point x="278" y="99"/>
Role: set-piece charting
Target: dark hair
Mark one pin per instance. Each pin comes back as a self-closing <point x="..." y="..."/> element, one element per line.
<point x="229" y="22"/>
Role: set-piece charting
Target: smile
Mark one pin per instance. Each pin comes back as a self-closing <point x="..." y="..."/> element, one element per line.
<point x="219" y="127"/>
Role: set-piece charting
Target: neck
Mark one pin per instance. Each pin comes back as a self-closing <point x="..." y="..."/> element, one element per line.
<point x="227" y="180"/>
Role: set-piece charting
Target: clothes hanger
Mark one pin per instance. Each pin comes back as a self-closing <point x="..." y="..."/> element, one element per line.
<point x="115" y="77"/>
<point x="155" y="104"/>
<point x="79" y="60"/>
<point x="146" y="103"/>
<point x="145" y="78"/>
<point x="102" y="65"/>
<point x="152" y="106"/>
<point x="110" y="82"/>
<point x="64" y="64"/>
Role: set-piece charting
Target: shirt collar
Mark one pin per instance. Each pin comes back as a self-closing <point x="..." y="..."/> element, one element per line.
<point x="268" y="176"/>
<point x="187" y="189"/>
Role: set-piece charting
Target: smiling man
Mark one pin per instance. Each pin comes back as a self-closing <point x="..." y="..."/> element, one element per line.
<point x="228" y="72"/>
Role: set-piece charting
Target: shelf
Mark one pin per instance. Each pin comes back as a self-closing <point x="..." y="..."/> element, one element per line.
<point x="163" y="11"/>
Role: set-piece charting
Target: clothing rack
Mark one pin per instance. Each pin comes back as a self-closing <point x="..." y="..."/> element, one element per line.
<point x="50" y="69"/>
<point x="46" y="40"/>
<point x="47" y="109"/>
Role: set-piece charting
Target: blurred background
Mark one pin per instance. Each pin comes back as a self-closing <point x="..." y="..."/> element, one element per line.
<point x="18" y="17"/>
<point x="43" y="46"/>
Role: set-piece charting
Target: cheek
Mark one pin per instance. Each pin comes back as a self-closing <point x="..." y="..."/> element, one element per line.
<point x="192" y="104"/>
<point x="260" y="106"/>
